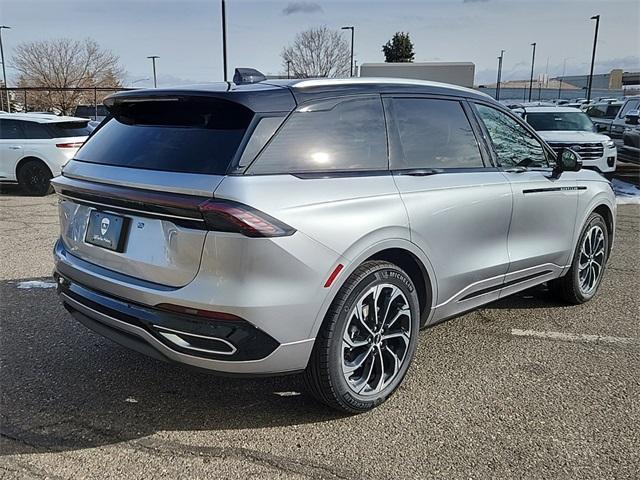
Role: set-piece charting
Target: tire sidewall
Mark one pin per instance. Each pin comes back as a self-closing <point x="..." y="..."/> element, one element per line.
<point x="593" y="220"/>
<point x="385" y="274"/>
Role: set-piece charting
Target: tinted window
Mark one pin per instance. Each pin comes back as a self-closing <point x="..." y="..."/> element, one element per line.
<point x="70" y="129"/>
<point x="513" y="144"/>
<point x="11" y="129"/>
<point x="573" y="121"/>
<point x="631" y="105"/>
<point x="180" y="136"/>
<point x="597" y="111"/>
<point x="259" y="137"/>
<point x="433" y="134"/>
<point x="33" y="130"/>
<point x="330" y="135"/>
<point x="612" y="110"/>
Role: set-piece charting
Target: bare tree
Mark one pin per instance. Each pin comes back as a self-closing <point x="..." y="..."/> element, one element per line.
<point x="64" y="63"/>
<point x="317" y="52"/>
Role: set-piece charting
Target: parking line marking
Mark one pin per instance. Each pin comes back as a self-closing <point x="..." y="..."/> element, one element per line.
<point x="573" y="337"/>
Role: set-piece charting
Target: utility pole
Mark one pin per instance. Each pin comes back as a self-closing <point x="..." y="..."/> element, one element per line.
<point x="593" y="55"/>
<point x="533" y="61"/>
<point x="153" y="61"/>
<point x="4" y="69"/>
<point x="352" y="35"/>
<point x="499" y="74"/>
<point x="288" y="69"/>
<point x="224" y="39"/>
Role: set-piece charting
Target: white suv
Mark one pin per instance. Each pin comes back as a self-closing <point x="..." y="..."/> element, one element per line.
<point x="35" y="147"/>
<point x="571" y="128"/>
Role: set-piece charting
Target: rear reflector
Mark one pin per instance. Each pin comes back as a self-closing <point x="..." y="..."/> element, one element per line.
<point x="228" y="216"/>
<point x="69" y="145"/>
<point x="197" y="312"/>
<point x="333" y="275"/>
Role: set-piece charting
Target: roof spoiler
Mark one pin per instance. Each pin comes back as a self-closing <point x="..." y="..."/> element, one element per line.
<point x="243" y="76"/>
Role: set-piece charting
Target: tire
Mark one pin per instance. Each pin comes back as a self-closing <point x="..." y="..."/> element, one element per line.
<point x="34" y="177"/>
<point x="331" y="375"/>
<point x="571" y="287"/>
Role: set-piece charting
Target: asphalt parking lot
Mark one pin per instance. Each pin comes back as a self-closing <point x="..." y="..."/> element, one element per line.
<point x="524" y="388"/>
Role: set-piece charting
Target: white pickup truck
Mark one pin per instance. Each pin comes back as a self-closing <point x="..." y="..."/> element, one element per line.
<point x="571" y="127"/>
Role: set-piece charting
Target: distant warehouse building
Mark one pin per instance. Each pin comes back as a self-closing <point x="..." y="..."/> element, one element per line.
<point x="614" y="80"/>
<point x="457" y="73"/>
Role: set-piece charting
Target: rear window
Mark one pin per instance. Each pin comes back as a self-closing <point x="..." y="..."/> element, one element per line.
<point x="172" y="135"/>
<point x="70" y="129"/>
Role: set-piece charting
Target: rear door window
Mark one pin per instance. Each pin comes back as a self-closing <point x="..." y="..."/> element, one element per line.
<point x="35" y="131"/>
<point x="433" y="133"/>
<point x="200" y="136"/>
<point x="332" y="135"/>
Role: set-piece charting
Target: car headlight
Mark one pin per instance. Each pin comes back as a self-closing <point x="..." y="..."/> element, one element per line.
<point x="610" y="144"/>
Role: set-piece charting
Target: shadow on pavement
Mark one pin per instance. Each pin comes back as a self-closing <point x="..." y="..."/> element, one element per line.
<point x="65" y="388"/>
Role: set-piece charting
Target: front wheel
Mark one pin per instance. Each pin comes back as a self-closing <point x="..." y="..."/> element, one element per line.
<point x="367" y="340"/>
<point x="582" y="280"/>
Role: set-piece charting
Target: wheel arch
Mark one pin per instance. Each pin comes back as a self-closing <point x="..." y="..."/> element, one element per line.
<point x="606" y="213"/>
<point x="28" y="158"/>
<point x="392" y="250"/>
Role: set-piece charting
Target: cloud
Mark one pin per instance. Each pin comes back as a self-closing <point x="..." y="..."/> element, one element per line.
<point x="301" y="7"/>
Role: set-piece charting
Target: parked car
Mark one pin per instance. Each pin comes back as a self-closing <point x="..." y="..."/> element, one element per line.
<point x="630" y="149"/>
<point x="35" y="147"/>
<point x="91" y="112"/>
<point x="603" y="113"/>
<point x="567" y="127"/>
<point x="615" y="127"/>
<point x="316" y="225"/>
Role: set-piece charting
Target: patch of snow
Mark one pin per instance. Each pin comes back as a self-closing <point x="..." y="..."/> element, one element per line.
<point x="36" y="284"/>
<point x="626" y="193"/>
<point x="131" y="400"/>
<point x="287" y="394"/>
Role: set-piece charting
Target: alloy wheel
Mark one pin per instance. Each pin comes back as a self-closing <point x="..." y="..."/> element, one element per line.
<point x="591" y="262"/>
<point x="376" y="339"/>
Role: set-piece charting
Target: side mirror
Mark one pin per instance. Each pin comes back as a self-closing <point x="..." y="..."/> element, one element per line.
<point x="631" y="117"/>
<point x="567" y="161"/>
<point x="600" y="127"/>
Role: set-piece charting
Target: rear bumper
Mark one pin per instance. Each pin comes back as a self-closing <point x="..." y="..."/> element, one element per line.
<point x="233" y="347"/>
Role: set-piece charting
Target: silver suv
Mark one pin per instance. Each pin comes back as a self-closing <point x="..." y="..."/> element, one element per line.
<point x="316" y="225"/>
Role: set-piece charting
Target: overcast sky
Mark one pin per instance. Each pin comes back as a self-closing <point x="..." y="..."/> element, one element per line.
<point x="186" y="34"/>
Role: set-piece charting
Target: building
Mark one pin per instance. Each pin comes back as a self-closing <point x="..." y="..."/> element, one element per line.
<point x="614" y="80"/>
<point x="457" y="73"/>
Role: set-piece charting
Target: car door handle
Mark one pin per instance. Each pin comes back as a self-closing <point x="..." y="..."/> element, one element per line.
<point x="516" y="170"/>
<point x="421" y="172"/>
<point x="15" y="147"/>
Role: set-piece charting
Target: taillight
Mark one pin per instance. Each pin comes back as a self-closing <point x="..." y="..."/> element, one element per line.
<point x="228" y="216"/>
<point x="69" y="145"/>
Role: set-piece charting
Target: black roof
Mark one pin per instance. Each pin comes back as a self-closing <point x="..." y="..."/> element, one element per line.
<point x="284" y="95"/>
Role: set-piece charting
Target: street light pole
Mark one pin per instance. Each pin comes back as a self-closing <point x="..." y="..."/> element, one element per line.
<point x="352" y="35"/>
<point x="288" y="69"/>
<point x="224" y="39"/>
<point x="153" y="60"/>
<point x="593" y="55"/>
<point x="564" y="70"/>
<point x="4" y="69"/>
<point x="499" y="74"/>
<point x="533" y="61"/>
